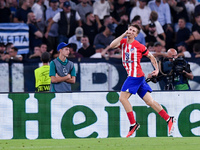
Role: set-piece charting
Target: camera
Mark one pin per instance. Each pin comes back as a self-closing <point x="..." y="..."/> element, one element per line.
<point x="177" y="67"/>
<point x="169" y="71"/>
<point x="179" y="64"/>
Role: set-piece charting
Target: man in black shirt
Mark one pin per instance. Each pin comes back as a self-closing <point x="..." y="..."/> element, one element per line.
<point x="90" y="27"/>
<point x="86" y="50"/>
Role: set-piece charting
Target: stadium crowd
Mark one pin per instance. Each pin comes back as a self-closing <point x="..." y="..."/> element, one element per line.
<point x="90" y="26"/>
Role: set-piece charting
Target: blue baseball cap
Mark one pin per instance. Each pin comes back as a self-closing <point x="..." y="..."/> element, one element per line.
<point x="61" y="45"/>
<point x="66" y="4"/>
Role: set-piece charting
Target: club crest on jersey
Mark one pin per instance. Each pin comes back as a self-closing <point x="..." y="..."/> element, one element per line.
<point x="133" y="49"/>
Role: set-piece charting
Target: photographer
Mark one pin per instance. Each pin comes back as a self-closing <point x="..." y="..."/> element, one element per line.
<point x="174" y="71"/>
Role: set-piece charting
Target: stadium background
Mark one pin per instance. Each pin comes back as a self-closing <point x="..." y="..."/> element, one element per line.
<point x="90" y="110"/>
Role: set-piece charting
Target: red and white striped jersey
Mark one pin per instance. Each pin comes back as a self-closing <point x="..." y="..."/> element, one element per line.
<point x="131" y="57"/>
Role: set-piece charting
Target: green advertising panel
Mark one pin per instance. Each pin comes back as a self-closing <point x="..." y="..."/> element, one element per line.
<point x="93" y="115"/>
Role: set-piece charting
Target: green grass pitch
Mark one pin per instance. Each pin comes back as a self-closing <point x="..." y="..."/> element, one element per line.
<point x="137" y="143"/>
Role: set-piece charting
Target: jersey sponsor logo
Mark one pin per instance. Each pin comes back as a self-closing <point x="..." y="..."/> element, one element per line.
<point x="127" y="61"/>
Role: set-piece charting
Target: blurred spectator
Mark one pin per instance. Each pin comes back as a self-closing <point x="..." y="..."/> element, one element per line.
<point x="66" y="25"/>
<point x="153" y="36"/>
<point x="182" y="50"/>
<point x="111" y="53"/>
<point x="154" y="18"/>
<point x="190" y="8"/>
<point x="164" y="17"/>
<point x="46" y="4"/>
<point x="8" y="46"/>
<point x="42" y="79"/>
<point x="195" y="36"/>
<point x="98" y="50"/>
<point x="150" y="47"/>
<point x="39" y="11"/>
<point x="159" y="51"/>
<point x="52" y="39"/>
<point x="121" y="7"/>
<point x="105" y="38"/>
<point x="108" y="19"/>
<point x="13" y="56"/>
<point x="35" y="36"/>
<point x="122" y="26"/>
<point x="163" y="10"/>
<point x="43" y="47"/>
<point x="72" y="4"/>
<point x="178" y="10"/>
<point x="90" y="27"/>
<point x="31" y="3"/>
<point x="102" y="8"/>
<point x="5" y="13"/>
<point x="22" y="12"/>
<point x="196" y="50"/>
<point x="37" y="53"/>
<point x="83" y="8"/>
<point x="106" y="52"/>
<point x="143" y="11"/>
<point x="183" y="33"/>
<point x="76" y="39"/>
<point x="12" y="5"/>
<point x="2" y="51"/>
<point x="141" y="35"/>
<point x="73" y="53"/>
<point x="86" y="50"/>
<point x="197" y="9"/>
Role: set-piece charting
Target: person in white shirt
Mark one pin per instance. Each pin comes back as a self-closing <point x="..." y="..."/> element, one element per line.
<point x="68" y="20"/>
<point x="182" y="50"/>
<point x="143" y="11"/>
<point x="101" y="8"/>
<point x="154" y="18"/>
<point x="39" y="11"/>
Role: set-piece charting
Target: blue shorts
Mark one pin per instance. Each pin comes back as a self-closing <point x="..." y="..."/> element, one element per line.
<point x="135" y="85"/>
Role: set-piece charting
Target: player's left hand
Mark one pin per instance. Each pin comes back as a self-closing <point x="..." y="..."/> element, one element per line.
<point x="155" y="73"/>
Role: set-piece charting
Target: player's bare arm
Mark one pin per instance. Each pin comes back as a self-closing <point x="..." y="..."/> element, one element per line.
<point x="116" y="42"/>
<point x="154" y="63"/>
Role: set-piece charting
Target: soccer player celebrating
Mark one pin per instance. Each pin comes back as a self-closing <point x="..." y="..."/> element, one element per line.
<point x="132" y="52"/>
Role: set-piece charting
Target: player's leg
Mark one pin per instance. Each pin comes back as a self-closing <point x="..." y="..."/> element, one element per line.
<point x="124" y="100"/>
<point x="129" y="110"/>
<point x="152" y="103"/>
<point x="159" y="109"/>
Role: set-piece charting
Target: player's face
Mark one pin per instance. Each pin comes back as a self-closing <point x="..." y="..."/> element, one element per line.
<point x="65" y="51"/>
<point x="132" y="32"/>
